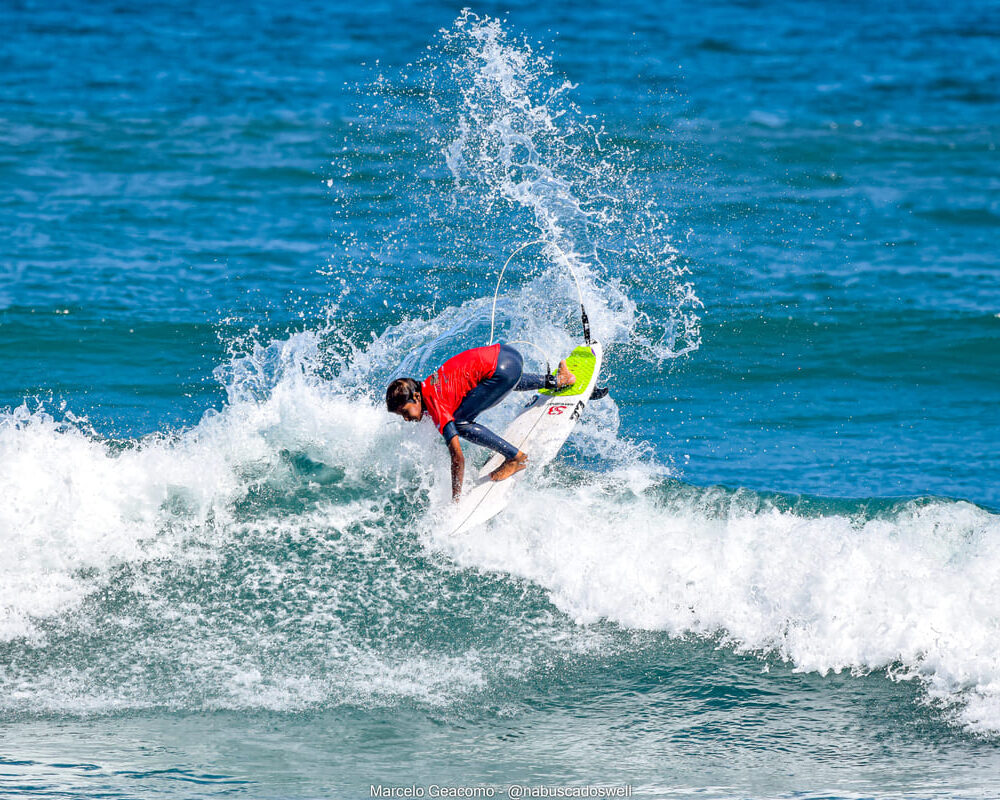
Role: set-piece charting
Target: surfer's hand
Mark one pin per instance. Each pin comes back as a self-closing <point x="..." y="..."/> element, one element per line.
<point x="457" y="468"/>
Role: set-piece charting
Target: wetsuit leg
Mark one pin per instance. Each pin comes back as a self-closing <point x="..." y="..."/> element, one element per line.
<point x="491" y="390"/>
<point x="483" y="436"/>
<point x="530" y="381"/>
<point x="487" y="394"/>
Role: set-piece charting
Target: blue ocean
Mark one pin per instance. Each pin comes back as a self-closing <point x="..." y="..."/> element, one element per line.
<point x="766" y="566"/>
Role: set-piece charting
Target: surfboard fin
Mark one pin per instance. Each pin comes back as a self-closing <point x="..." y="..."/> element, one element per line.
<point x="599" y="392"/>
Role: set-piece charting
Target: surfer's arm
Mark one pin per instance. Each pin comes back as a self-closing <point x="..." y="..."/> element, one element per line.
<point x="457" y="467"/>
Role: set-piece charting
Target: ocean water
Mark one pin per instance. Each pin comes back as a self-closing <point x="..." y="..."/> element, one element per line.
<point x="767" y="566"/>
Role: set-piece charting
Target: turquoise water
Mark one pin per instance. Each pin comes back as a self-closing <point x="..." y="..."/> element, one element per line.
<point x="765" y="567"/>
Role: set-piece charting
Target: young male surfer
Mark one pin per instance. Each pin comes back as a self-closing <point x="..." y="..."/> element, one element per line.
<point x="463" y="388"/>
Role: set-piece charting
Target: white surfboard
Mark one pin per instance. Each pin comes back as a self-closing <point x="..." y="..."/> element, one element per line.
<point x="539" y="431"/>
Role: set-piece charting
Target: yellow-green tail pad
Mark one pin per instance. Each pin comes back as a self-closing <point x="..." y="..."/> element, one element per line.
<point x="581" y="363"/>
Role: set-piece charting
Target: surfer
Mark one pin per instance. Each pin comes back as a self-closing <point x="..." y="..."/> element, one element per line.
<point x="463" y="388"/>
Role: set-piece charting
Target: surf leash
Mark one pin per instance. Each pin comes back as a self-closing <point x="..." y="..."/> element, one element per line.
<point x="584" y="319"/>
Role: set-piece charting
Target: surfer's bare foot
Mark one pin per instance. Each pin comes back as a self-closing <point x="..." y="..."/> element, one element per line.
<point x="510" y="467"/>
<point x="564" y="377"/>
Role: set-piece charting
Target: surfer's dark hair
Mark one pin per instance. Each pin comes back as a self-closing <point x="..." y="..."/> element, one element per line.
<point x="400" y="392"/>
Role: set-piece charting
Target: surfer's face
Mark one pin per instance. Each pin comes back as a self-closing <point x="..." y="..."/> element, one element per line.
<point x="411" y="411"/>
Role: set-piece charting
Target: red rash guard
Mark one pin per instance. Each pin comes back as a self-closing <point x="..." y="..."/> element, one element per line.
<point x="444" y="391"/>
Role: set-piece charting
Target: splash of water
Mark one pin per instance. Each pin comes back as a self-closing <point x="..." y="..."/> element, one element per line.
<point x="522" y="141"/>
<point x="508" y="157"/>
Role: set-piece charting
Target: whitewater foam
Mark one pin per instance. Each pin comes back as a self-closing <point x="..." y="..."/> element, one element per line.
<point x="76" y="505"/>
<point x="908" y="592"/>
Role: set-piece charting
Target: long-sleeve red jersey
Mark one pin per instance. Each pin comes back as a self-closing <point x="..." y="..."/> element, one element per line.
<point x="444" y="391"/>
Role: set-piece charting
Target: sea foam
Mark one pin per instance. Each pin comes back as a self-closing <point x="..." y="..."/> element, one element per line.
<point x="908" y="591"/>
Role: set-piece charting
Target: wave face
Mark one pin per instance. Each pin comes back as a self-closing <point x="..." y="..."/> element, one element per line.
<point x="285" y="552"/>
<point x="785" y="508"/>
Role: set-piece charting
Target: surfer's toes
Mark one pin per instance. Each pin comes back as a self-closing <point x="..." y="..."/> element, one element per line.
<point x="564" y="377"/>
<point x="509" y="467"/>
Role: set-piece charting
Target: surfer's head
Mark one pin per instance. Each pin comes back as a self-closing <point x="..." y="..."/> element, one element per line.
<point x="403" y="398"/>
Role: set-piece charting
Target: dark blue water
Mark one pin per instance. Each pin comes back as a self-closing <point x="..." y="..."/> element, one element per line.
<point x="767" y="566"/>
